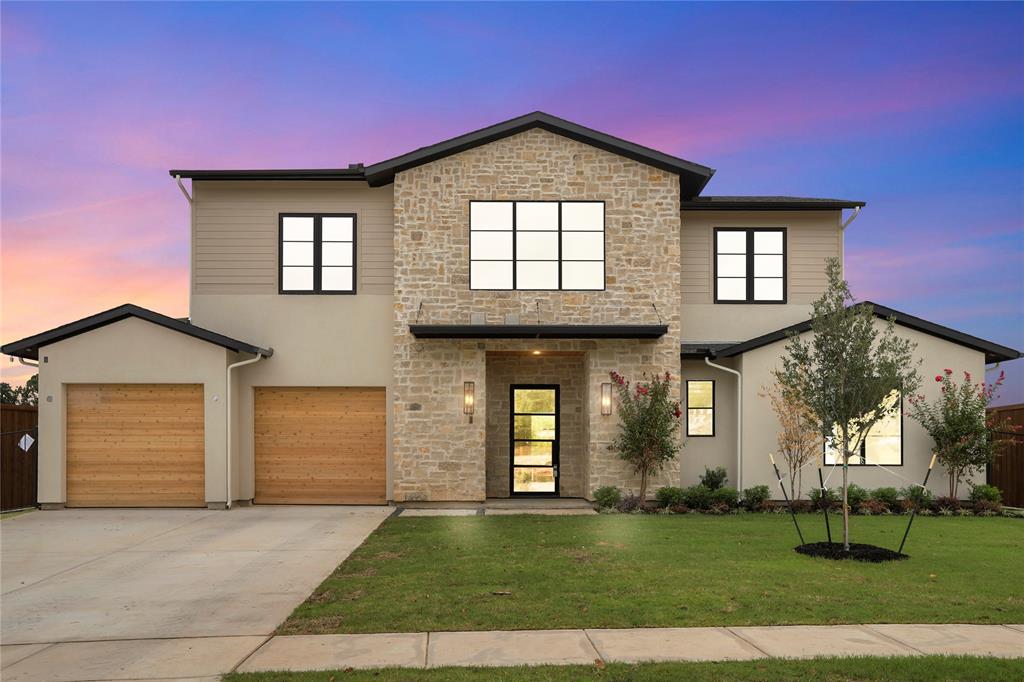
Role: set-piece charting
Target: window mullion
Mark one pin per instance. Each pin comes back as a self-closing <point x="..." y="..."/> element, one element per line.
<point x="515" y="238"/>
<point x="317" y="254"/>
<point x="750" y="266"/>
<point x="559" y="245"/>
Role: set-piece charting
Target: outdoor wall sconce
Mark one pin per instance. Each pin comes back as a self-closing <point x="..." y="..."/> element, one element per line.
<point x="468" y="399"/>
<point x="606" y="399"/>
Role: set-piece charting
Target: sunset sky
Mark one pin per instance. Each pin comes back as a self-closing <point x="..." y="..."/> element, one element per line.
<point x="917" y="109"/>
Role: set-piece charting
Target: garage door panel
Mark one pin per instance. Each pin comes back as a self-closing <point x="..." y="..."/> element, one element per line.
<point x="320" y="445"/>
<point x="135" y="445"/>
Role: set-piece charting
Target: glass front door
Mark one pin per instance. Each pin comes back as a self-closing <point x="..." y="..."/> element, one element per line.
<point x="534" y="440"/>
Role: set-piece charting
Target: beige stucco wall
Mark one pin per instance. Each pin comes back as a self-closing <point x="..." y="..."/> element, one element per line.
<point x="318" y="340"/>
<point x="701" y="452"/>
<point x="760" y="424"/>
<point x="131" y="351"/>
<point x="235" y="231"/>
<point x="811" y="238"/>
<point x="432" y="268"/>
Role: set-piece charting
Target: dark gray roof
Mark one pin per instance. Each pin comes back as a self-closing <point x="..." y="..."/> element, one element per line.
<point x="767" y="203"/>
<point x="692" y="176"/>
<point x="994" y="352"/>
<point x="29" y="347"/>
<point x="353" y="172"/>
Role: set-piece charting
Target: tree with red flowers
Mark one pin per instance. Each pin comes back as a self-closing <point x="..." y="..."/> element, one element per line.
<point x="957" y="423"/>
<point x="648" y="425"/>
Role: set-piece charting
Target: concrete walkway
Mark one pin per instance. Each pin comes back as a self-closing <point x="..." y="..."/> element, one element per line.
<point x="208" y="657"/>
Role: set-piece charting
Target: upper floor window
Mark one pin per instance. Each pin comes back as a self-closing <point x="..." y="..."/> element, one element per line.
<point x="750" y="265"/>
<point x="317" y="254"/>
<point x="536" y="245"/>
<point x="883" y="444"/>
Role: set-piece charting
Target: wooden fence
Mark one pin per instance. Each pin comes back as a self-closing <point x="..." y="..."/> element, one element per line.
<point x="18" y="468"/>
<point x="1007" y="472"/>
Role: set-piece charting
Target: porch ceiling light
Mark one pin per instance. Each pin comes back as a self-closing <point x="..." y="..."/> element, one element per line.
<point x="468" y="397"/>
<point x="606" y="399"/>
<point x="536" y="352"/>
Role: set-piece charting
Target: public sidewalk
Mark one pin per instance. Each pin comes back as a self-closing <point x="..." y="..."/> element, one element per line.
<point x="210" y="657"/>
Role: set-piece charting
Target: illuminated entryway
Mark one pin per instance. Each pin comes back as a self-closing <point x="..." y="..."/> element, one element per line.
<point x="534" y="439"/>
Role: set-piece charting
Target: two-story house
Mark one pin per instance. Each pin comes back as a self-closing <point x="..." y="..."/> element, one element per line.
<point x="441" y="326"/>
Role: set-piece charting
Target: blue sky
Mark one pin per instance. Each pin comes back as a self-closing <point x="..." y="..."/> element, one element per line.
<point x="917" y="109"/>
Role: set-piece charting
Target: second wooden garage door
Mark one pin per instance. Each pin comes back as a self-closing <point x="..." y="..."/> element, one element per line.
<point x="320" y="445"/>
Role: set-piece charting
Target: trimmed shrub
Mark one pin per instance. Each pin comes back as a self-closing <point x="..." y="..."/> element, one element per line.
<point x="669" y="496"/>
<point x="916" y="497"/>
<point x="873" y="507"/>
<point x="607" y="496"/>
<point x="988" y="508"/>
<point x="697" y="497"/>
<point x="630" y="504"/>
<point x="985" y="493"/>
<point x="947" y="504"/>
<point x="827" y="500"/>
<point x="801" y="506"/>
<point x="855" y="496"/>
<point x="727" y="497"/>
<point x="713" y="479"/>
<point x="756" y="498"/>
<point x="890" y="497"/>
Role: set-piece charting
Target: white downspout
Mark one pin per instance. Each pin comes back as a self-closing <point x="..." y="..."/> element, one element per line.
<point x="842" y="233"/>
<point x="28" y="363"/>
<point x="191" y="239"/>
<point x="227" y="424"/>
<point x="739" y="420"/>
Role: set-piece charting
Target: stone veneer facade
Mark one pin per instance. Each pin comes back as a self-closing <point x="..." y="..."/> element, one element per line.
<point x="438" y="455"/>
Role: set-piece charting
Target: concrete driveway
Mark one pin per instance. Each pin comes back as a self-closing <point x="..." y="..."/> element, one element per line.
<point x="137" y="588"/>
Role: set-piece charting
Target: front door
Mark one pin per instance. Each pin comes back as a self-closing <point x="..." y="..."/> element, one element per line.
<point x="534" y="439"/>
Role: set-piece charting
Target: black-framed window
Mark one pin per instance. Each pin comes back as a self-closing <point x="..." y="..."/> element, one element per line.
<point x="750" y="265"/>
<point x="883" y="443"/>
<point x="317" y="253"/>
<point x="700" y="407"/>
<point x="536" y="245"/>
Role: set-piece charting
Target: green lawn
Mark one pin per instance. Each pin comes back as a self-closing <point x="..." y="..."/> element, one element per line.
<point x="536" y="572"/>
<point x="919" y="669"/>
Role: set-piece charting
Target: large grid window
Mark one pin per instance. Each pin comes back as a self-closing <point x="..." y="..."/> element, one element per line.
<point x="536" y="245"/>
<point x="883" y="444"/>
<point x="318" y="254"/>
<point x="700" y="408"/>
<point x="750" y="265"/>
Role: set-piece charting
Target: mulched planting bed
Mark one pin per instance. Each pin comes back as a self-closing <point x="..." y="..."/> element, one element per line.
<point x="858" y="552"/>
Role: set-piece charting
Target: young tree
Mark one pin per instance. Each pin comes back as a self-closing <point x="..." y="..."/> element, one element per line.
<point x="958" y="424"/>
<point x="844" y="371"/>
<point x="797" y="438"/>
<point x="648" y="426"/>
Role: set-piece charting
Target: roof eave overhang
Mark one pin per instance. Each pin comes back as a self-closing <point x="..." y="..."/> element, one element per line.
<point x="248" y="175"/>
<point x="538" y="331"/>
<point x="692" y="177"/>
<point x="28" y="348"/>
<point x="780" y="206"/>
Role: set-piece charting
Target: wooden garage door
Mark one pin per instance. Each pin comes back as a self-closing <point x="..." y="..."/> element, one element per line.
<point x="135" y="445"/>
<point x="320" y="445"/>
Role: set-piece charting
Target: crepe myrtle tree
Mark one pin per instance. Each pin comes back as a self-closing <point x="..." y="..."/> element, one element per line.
<point x="797" y="437"/>
<point x="960" y="426"/>
<point x="648" y="435"/>
<point x="844" y="371"/>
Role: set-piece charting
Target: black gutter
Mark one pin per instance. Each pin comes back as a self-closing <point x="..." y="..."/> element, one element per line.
<point x="351" y="173"/>
<point x="768" y="204"/>
<point x="29" y="347"/>
<point x="538" y="331"/>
